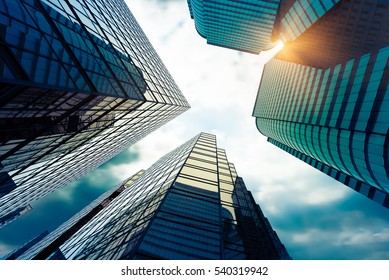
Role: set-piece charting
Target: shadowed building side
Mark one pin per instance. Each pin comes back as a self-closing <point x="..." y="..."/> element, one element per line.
<point x="323" y="34"/>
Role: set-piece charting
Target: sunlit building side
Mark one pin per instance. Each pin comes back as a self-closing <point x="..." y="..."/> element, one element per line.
<point x="79" y="83"/>
<point x="190" y="204"/>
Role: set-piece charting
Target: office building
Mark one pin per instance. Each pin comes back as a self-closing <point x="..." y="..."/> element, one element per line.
<point x="334" y="119"/>
<point x="318" y="33"/>
<point x="323" y="34"/>
<point x="190" y="204"/>
<point x="56" y="238"/>
<point x="79" y="83"/>
<point x="241" y="25"/>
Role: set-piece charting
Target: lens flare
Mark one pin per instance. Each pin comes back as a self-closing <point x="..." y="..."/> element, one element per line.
<point x="266" y="56"/>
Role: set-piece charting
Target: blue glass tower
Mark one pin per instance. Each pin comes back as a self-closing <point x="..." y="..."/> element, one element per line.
<point x="335" y="119"/>
<point x="79" y="83"/>
<point x="324" y="34"/>
<point x="241" y="25"/>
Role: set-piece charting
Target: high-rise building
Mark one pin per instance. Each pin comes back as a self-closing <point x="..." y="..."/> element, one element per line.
<point x="190" y="204"/>
<point x="324" y="33"/>
<point x="79" y="83"/>
<point x="244" y="25"/>
<point x="318" y="33"/>
<point x="325" y="97"/>
<point x="335" y="119"/>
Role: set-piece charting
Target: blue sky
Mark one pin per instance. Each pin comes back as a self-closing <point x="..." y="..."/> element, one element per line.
<point x="314" y="216"/>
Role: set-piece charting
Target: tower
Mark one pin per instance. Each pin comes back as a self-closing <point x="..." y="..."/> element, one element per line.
<point x="190" y="204"/>
<point x="240" y="25"/>
<point x="80" y="82"/>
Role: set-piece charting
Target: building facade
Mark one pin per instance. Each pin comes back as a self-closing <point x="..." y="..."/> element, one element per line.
<point x="323" y="34"/>
<point x="190" y="204"/>
<point x="13" y="255"/>
<point x="334" y="119"/>
<point x="245" y="25"/>
<point x="79" y="83"/>
<point x="318" y="33"/>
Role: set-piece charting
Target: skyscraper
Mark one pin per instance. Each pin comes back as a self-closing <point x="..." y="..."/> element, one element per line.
<point x="241" y="25"/>
<point x="190" y="204"/>
<point x="20" y="251"/>
<point x="316" y="32"/>
<point x="324" y="98"/>
<point x="334" y="119"/>
<point x="324" y="34"/>
<point x="79" y="83"/>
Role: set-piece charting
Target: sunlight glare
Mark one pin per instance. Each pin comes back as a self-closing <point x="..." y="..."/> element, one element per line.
<point x="266" y="56"/>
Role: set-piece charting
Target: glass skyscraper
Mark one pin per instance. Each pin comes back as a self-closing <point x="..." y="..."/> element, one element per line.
<point x="79" y="83"/>
<point x="324" y="34"/>
<point x="335" y="119"/>
<point x="190" y="204"/>
<point x="244" y="25"/>
<point x="319" y="33"/>
<point x="20" y="251"/>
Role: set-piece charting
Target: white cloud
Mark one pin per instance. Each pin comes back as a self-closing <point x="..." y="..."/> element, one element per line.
<point x="308" y="236"/>
<point x="348" y="243"/>
<point x="5" y="249"/>
<point x="363" y="236"/>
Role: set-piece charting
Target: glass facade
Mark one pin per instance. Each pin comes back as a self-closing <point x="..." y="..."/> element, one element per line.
<point x="337" y="118"/>
<point x="190" y="204"/>
<point x="79" y="83"/>
<point x="244" y="25"/>
<point x="47" y="248"/>
<point x="299" y="15"/>
<point x="323" y="34"/>
<point x="318" y="33"/>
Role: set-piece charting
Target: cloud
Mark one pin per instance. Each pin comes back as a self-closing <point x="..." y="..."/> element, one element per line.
<point x="332" y="244"/>
<point x="364" y="236"/>
<point x="124" y="157"/>
<point x="338" y="230"/>
<point x="5" y="248"/>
